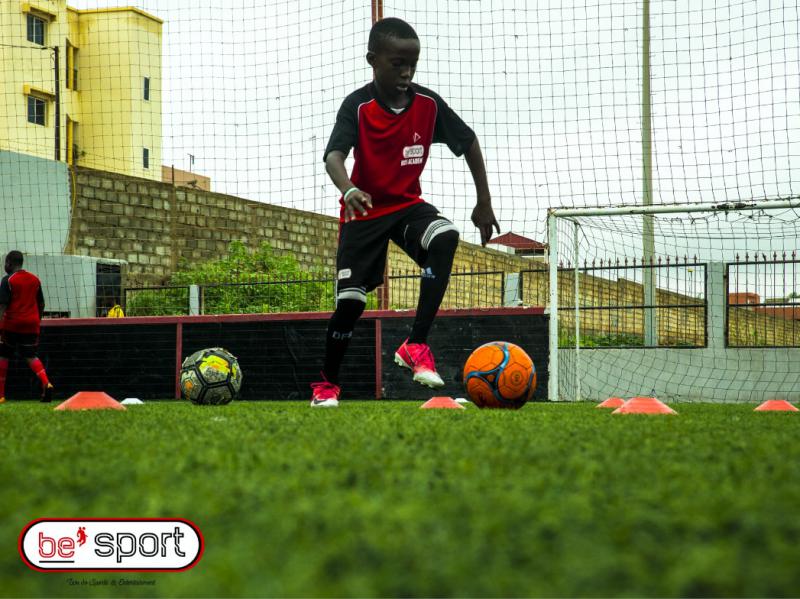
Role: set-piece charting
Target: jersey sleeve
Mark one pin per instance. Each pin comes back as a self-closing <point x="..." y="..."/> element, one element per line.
<point x="450" y="129"/>
<point x="5" y="292"/>
<point x="345" y="132"/>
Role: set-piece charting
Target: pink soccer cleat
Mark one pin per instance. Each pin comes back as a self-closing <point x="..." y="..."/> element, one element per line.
<point x="419" y="358"/>
<point x="325" y="394"/>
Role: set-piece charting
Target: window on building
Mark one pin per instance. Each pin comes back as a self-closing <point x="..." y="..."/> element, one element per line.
<point x="72" y="147"/>
<point x="75" y="149"/>
<point x="147" y="88"/>
<point x="36" y="29"/>
<point x="36" y="110"/>
<point x="146" y="158"/>
<point x="72" y="67"/>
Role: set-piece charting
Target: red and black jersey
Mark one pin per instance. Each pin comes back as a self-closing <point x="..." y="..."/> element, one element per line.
<point x="391" y="148"/>
<point x="21" y="293"/>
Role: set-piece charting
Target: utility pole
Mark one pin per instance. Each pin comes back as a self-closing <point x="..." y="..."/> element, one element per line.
<point x="57" y="94"/>
<point x="383" y="292"/>
<point x="648" y="233"/>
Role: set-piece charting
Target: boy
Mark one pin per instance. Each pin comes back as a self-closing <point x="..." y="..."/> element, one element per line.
<point x="21" y="309"/>
<point x="391" y="124"/>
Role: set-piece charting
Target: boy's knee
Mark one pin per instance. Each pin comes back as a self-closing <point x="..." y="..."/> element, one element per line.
<point x="351" y="294"/>
<point x="446" y="241"/>
<point x="348" y="310"/>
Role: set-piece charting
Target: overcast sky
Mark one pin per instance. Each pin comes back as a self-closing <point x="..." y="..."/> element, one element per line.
<point x="251" y="89"/>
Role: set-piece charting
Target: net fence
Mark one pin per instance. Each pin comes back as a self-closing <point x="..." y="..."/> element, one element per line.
<point x="143" y="139"/>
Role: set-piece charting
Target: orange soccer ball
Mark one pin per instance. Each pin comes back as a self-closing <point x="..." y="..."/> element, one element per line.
<point x="499" y="375"/>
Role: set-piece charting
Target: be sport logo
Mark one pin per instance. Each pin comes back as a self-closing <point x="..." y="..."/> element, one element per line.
<point x="110" y="545"/>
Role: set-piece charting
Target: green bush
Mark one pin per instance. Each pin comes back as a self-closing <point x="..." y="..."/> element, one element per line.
<point x="592" y="340"/>
<point x="601" y="340"/>
<point x="168" y="301"/>
<point x="243" y="282"/>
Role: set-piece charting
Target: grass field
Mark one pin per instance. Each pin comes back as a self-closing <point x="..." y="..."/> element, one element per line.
<point x="382" y="499"/>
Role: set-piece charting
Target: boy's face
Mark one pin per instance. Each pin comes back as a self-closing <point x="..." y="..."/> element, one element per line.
<point x="8" y="267"/>
<point x="394" y="65"/>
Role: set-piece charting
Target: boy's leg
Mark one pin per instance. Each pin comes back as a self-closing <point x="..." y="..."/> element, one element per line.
<point x="435" y="278"/>
<point x="340" y="331"/>
<point x="360" y="261"/>
<point x="431" y="241"/>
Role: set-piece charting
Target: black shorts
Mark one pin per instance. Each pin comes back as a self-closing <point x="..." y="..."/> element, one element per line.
<point x="23" y="344"/>
<point x="361" y="256"/>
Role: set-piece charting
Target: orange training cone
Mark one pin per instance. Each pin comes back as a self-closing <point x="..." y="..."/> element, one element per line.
<point x="776" y="405"/>
<point x="90" y="400"/>
<point x="611" y="402"/>
<point x="441" y="403"/>
<point x="644" y="405"/>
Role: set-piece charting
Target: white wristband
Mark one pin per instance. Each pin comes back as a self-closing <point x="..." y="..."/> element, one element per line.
<point x="348" y="192"/>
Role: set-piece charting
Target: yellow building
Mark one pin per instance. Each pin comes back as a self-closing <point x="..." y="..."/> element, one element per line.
<point x="81" y="86"/>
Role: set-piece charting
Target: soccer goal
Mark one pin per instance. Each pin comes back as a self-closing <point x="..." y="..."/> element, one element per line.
<point x="685" y="302"/>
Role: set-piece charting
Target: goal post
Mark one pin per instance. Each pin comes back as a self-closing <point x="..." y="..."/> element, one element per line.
<point x="725" y="302"/>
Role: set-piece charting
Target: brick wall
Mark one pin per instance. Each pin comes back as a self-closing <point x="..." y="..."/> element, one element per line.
<point x="472" y="291"/>
<point x="154" y="225"/>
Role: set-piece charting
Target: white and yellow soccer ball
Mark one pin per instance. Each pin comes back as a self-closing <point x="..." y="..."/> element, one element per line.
<point x="211" y="377"/>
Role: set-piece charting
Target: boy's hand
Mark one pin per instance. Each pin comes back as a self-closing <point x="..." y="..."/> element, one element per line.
<point x="356" y="203"/>
<point x="483" y="218"/>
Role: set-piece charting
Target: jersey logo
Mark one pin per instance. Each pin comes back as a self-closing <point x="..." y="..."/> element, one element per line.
<point x="413" y="155"/>
<point x="417" y="137"/>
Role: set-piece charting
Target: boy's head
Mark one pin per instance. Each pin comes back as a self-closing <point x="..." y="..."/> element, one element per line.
<point x="393" y="52"/>
<point x="389" y="28"/>
<point x="13" y="261"/>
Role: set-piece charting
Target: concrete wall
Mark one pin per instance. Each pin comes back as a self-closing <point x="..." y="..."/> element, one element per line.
<point x="713" y="374"/>
<point x="34" y="204"/>
<point x="734" y="375"/>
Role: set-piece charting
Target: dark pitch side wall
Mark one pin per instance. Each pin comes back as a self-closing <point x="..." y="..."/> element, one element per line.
<point x="279" y="358"/>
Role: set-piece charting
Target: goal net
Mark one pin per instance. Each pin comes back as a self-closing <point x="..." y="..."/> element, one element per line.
<point x="686" y="303"/>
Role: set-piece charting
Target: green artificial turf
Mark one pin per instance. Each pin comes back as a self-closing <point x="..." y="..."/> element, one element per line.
<point x="383" y="499"/>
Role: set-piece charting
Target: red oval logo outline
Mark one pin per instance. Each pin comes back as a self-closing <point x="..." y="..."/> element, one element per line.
<point x="185" y="521"/>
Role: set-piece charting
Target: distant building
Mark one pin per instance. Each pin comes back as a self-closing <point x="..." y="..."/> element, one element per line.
<point x="787" y="309"/>
<point x="181" y="178"/>
<point x="101" y="106"/>
<point x="743" y="298"/>
<point x="519" y="245"/>
<point x="785" y="312"/>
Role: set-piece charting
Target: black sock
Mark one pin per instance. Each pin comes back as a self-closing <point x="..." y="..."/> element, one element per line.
<point x="340" y="330"/>
<point x="435" y="277"/>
